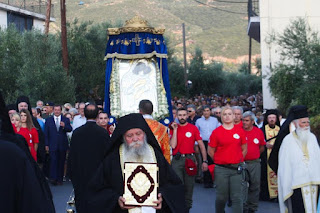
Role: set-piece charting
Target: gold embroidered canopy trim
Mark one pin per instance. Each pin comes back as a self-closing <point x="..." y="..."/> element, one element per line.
<point x="136" y="24"/>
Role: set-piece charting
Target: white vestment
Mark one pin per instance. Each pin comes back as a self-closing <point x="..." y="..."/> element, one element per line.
<point x="299" y="167"/>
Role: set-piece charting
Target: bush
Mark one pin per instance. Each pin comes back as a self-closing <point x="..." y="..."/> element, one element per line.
<point x="295" y="80"/>
<point x="31" y="66"/>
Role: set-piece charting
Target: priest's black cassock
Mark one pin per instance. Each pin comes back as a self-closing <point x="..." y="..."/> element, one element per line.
<point x="23" y="187"/>
<point x="264" y="189"/>
<point x="284" y="131"/>
<point x="87" y="150"/>
<point x="107" y="185"/>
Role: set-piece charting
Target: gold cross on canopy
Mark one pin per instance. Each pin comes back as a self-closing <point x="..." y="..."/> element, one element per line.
<point x="137" y="40"/>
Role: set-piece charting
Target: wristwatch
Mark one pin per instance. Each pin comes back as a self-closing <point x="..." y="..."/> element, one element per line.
<point x="205" y="161"/>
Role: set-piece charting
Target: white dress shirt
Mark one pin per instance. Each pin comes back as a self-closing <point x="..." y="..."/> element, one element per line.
<point x="78" y="121"/>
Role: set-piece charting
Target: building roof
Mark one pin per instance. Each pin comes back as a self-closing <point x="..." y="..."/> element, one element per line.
<point x="21" y="11"/>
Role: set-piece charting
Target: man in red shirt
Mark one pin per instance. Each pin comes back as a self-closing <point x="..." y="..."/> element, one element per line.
<point x="256" y="143"/>
<point x="183" y="137"/>
<point x="237" y="111"/>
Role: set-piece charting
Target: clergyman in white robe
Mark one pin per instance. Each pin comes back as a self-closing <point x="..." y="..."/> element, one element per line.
<point x="299" y="168"/>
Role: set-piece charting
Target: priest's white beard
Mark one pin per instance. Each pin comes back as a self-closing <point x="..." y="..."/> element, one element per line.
<point x="303" y="134"/>
<point x="139" y="154"/>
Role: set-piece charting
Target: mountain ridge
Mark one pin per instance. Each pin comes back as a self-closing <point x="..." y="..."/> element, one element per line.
<point x="217" y="33"/>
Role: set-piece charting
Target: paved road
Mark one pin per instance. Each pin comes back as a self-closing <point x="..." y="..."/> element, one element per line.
<point x="203" y="200"/>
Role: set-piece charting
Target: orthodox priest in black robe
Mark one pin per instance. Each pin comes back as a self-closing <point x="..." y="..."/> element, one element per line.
<point x="107" y="186"/>
<point x="23" y="187"/>
<point x="87" y="150"/>
<point x="270" y="129"/>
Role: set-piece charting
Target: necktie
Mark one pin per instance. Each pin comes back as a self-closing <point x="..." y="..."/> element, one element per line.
<point x="57" y="124"/>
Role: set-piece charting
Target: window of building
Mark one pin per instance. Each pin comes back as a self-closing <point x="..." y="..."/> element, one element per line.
<point x="21" y="22"/>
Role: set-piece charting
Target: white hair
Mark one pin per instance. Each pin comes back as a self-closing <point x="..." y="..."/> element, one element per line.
<point x="249" y="113"/>
<point x="303" y="133"/>
<point x="216" y="108"/>
<point x="237" y="108"/>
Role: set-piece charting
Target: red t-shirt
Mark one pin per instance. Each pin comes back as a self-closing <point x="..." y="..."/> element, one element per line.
<point x="31" y="138"/>
<point x="186" y="137"/>
<point x="228" y="145"/>
<point x="255" y="139"/>
<point x="239" y="124"/>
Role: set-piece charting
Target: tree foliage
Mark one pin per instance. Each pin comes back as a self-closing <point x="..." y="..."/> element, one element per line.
<point x="86" y="45"/>
<point x="212" y="78"/>
<point x="295" y="79"/>
<point x="31" y="65"/>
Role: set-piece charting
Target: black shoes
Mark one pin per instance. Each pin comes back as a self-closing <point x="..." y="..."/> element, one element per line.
<point x="54" y="182"/>
<point x="208" y="185"/>
<point x="199" y="180"/>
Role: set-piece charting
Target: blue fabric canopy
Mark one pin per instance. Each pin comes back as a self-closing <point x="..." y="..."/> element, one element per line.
<point x="135" y="46"/>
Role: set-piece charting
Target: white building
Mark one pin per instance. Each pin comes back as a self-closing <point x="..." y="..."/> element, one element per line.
<point x="23" y="19"/>
<point x="273" y="17"/>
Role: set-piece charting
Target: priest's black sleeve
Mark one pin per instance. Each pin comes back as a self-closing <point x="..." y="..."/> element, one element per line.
<point x="106" y="186"/>
<point x="20" y="190"/>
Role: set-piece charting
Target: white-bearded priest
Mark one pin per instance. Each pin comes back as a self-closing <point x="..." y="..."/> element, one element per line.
<point x="299" y="167"/>
<point x="133" y="141"/>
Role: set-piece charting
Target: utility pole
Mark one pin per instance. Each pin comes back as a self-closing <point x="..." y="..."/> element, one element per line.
<point x="48" y="13"/>
<point x="65" y="62"/>
<point x="250" y="47"/>
<point x="185" y="60"/>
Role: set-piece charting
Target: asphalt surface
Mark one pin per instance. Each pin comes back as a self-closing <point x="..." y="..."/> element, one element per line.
<point x="203" y="200"/>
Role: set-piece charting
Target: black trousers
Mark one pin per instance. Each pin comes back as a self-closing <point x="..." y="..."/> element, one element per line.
<point x="297" y="201"/>
<point x="207" y="178"/>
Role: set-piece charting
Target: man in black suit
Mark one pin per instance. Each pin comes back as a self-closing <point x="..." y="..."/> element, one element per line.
<point x="55" y="130"/>
<point x="87" y="150"/>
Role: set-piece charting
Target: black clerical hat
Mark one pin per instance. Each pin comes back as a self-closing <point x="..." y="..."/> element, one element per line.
<point x="271" y="112"/>
<point x="299" y="111"/>
<point x="24" y="99"/>
<point x="295" y="112"/>
<point x="131" y="121"/>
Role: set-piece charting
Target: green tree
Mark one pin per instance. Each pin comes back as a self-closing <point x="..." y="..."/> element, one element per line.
<point x="296" y="79"/>
<point x="176" y="73"/>
<point x="257" y="63"/>
<point x="11" y="60"/>
<point x="42" y="75"/>
<point x="244" y="68"/>
<point x="86" y="44"/>
<point x="32" y="66"/>
<point x="196" y="72"/>
<point x="211" y="78"/>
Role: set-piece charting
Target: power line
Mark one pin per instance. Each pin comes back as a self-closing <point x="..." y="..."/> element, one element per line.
<point x="215" y="8"/>
<point x="232" y="2"/>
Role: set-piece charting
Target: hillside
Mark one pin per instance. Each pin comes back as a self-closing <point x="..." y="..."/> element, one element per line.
<point x="219" y="34"/>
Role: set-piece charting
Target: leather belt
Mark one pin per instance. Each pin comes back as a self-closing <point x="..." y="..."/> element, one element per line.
<point x="185" y="155"/>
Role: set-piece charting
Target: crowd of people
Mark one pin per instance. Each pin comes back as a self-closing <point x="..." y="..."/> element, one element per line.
<point x="223" y="142"/>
